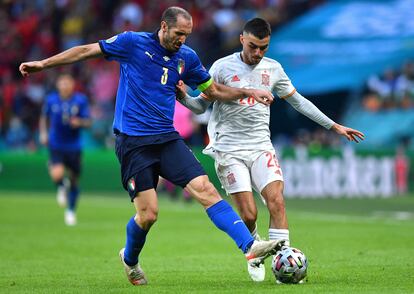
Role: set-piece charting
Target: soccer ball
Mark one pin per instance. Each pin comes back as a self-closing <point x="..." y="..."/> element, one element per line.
<point x="289" y="266"/>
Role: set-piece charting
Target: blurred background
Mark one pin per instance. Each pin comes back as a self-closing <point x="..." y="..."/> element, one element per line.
<point x="357" y="67"/>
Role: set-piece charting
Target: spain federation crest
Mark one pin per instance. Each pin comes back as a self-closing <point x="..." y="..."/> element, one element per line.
<point x="265" y="79"/>
<point x="180" y="66"/>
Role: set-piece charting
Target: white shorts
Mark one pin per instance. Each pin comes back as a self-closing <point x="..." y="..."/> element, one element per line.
<point x="253" y="169"/>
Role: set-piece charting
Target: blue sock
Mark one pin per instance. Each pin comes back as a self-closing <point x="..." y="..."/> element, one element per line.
<point x="73" y="197"/>
<point x="224" y="217"/>
<point x="134" y="242"/>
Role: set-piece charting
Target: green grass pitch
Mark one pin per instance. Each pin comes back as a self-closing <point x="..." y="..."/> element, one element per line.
<point x="353" y="246"/>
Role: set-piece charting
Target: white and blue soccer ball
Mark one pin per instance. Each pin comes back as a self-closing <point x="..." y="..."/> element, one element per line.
<point x="290" y="266"/>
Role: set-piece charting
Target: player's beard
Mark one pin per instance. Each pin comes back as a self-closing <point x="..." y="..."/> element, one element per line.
<point x="171" y="44"/>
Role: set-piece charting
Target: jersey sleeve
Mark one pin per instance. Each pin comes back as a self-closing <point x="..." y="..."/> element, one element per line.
<point x="283" y="86"/>
<point x="116" y="48"/>
<point x="196" y="75"/>
<point x="215" y="72"/>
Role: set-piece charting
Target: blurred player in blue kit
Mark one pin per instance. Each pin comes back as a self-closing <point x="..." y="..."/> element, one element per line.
<point x="65" y="113"/>
<point x="147" y="145"/>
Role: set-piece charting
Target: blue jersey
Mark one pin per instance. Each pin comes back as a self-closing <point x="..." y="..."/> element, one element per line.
<point x="58" y="113"/>
<point x="147" y="85"/>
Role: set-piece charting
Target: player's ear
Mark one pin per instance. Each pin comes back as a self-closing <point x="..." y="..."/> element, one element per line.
<point x="164" y="26"/>
<point x="241" y="39"/>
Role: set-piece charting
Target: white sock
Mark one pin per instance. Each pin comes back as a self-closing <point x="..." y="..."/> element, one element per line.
<point x="279" y="234"/>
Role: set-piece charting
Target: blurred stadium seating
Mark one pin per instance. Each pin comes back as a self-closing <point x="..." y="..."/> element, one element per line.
<point x="356" y="67"/>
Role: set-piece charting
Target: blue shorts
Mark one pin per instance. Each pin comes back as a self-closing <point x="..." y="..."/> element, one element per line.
<point x="70" y="159"/>
<point x="144" y="159"/>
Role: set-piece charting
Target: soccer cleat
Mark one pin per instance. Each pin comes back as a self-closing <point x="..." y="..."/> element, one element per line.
<point x="135" y="274"/>
<point x="256" y="273"/>
<point x="260" y="250"/>
<point x="70" y="218"/>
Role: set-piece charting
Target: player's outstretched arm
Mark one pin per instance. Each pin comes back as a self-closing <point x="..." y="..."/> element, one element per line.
<point x="224" y="93"/>
<point x="350" y="134"/>
<point x="309" y="109"/>
<point x="198" y="104"/>
<point x="71" y="55"/>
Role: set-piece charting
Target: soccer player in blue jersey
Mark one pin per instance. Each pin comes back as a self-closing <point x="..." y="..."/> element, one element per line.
<point x="65" y="113"/>
<point x="147" y="145"/>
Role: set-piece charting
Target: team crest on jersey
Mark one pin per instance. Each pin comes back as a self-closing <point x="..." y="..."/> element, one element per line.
<point x="74" y="110"/>
<point x="180" y="66"/>
<point x="265" y="79"/>
<point x="112" y="39"/>
<point x="131" y="185"/>
<point x="231" y="179"/>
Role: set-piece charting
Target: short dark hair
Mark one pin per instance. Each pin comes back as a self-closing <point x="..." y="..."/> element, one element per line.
<point x="171" y="13"/>
<point x="258" y="27"/>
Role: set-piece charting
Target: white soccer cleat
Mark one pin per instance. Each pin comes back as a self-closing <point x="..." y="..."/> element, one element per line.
<point x="260" y="250"/>
<point x="135" y="274"/>
<point x="70" y="218"/>
<point x="256" y="273"/>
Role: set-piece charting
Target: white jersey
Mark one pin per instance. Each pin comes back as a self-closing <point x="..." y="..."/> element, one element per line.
<point x="242" y="125"/>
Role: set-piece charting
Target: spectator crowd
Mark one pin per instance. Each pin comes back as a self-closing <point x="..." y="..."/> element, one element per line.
<point x="33" y="30"/>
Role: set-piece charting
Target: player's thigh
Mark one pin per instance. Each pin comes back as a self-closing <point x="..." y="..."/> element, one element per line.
<point x="139" y="165"/>
<point x="273" y="191"/>
<point x="265" y="169"/>
<point x="234" y="176"/>
<point x="178" y="163"/>
<point x="73" y="162"/>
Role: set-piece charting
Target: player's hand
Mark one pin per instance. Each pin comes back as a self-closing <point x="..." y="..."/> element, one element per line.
<point x="350" y="134"/>
<point x="262" y="96"/>
<point x="75" y="122"/>
<point x="29" y="67"/>
<point x="181" y="90"/>
<point x="43" y="138"/>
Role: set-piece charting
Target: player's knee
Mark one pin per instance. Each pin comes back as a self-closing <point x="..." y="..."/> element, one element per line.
<point x="57" y="173"/>
<point x="204" y="191"/>
<point x="147" y="217"/>
<point x="276" y="202"/>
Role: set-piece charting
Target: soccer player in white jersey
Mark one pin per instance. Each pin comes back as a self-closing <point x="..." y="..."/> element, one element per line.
<point x="239" y="130"/>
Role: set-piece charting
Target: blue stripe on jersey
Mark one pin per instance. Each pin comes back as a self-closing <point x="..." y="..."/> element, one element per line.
<point x="147" y="83"/>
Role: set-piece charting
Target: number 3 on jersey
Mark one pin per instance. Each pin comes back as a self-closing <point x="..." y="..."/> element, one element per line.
<point x="164" y="77"/>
